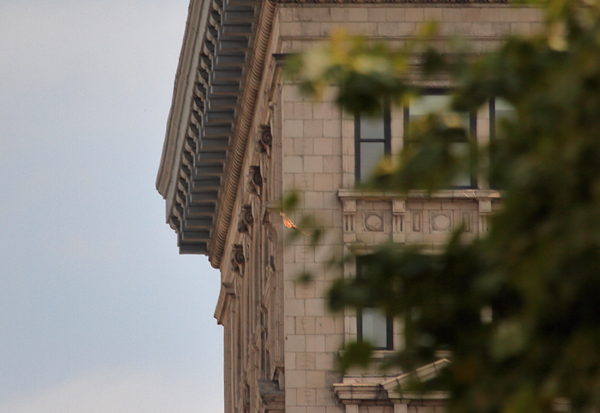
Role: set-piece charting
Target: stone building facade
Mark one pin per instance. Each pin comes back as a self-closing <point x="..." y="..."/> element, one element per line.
<point x="239" y="136"/>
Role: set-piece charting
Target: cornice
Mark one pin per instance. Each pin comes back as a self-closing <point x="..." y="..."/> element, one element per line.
<point x="183" y="82"/>
<point x="462" y="2"/>
<point x="205" y="99"/>
<point x="216" y="90"/>
<point x="242" y="128"/>
<point x="395" y="388"/>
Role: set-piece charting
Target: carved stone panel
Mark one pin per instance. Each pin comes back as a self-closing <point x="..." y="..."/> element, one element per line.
<point x="246" y="218"/>
<point x="256" y="179"/>
<point x="374" y="222"/>
<point x="440" y="221"/>
<point x="265" y="139"/>
<point x="237" y="258"/>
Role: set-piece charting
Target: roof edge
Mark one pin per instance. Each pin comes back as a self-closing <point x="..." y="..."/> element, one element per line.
<point x="181" y="85"/>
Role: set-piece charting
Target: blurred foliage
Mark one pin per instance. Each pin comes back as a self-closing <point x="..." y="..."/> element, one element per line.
<point x="519" y="308"/>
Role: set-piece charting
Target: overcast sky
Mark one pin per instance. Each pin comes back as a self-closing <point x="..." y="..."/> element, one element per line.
<point x="98" y="312"/>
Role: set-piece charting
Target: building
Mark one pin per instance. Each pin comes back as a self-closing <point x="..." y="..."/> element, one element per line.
<point x="239" y="136"/>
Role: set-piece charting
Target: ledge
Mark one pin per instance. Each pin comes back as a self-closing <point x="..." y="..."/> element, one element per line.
<point x="475" y="194"/>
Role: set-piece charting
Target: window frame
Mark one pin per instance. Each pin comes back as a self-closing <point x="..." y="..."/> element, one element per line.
<point x="471" y="138"/>
<point x="387" y="139"/>
<point x="389" y="321"/>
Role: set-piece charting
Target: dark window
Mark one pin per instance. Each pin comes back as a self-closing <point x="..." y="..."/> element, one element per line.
<point x="500" y="110"/>
<point x="438" y="101"/>
<point x="373" y="141"/>
<point x="373" y="325"/>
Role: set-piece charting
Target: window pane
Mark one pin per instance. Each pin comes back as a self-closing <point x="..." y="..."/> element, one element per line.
<point x="374" y="327"/>
<point x="372" y="127"/>
<point x="370" y="154"/>
<point x="502" y="110"/>
<point x="428" y="104"/>
<point x="461" y="150"/>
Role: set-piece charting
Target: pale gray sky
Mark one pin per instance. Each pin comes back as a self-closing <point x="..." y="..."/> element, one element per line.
<point x="98" y="312"/>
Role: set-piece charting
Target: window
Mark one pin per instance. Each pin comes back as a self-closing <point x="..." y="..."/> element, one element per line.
<point x="437" y="101"/>
<point x="373" y="325"/>
<point x="373" y="141"/>
<point x="500" y="110"/>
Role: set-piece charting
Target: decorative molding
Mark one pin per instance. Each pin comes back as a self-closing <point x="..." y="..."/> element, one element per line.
<point x="455" y="194"/>
<point x="226" y="294"/>
<point x="485" y="210"/>
<point x="417" y="219"/>
<point x="373" y="222"/>
<point x="272" y="396"/>
<point x="242" y="127"/>
<point x="237" y="258"/>
<point x="265" y="139"/>
<point x="440" y="221"/>
<point x="467" y="221"/>
<point x="390" y="1"/>
<point x="246" y="218"/>
<point x="349" y="217"/>
<point x="398" y="214"/>
<point x="256" y="179"/>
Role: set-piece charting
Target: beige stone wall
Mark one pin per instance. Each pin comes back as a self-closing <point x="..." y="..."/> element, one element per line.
<point x="485" y="23"/>
<point x="312" y="165"/>
<point x="318" y="160"/>
<point x="313" y="152"/>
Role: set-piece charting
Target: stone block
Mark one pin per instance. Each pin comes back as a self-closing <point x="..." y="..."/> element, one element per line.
<point x="315" y="379"/>
<point x="395" y="14"/>
<point x="303" y="146"/>
<point x="295" y="379"/>
<point x="313" y="164"/>
<point x="290" y="361"/>
<point x="311" y="14"/>
<point x="293" y="128"/>
<point x="309" y="29"/>
<point x="305" y="290"/>
<point x="414" y="14"/>
<point x="306" y="361"/>
<point x="332" y="163"/>
<point x="325" y="396"/>
<point x="295" y="409"/>
<point x="290" y="29"/>
<point x="324" y="182"/>
<point x="293" y="164"/>
<point x="294" y="307"/>
<point x="356" y="14"/>
<point x="316" y="307"/>
<point x="332" y="128"/>
<point x="286" y="14"/>
<point x="306" y="397"/>
<point x="305" y="325"/>
<point x="325" y="325"/>
<point x="432" y="13"/>
<point x="377" y="14"/>
<point x="302" y="110"/>
<point x="333" y="342"/>
<point x="315" y="343"/>
<point x="313" y="128"/>
<point x="295" y="343"/>
<point x="304" y="181"/>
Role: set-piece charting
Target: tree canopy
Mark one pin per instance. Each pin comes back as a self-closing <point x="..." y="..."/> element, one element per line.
<point x="518" y="309"/>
